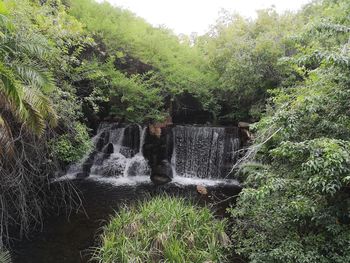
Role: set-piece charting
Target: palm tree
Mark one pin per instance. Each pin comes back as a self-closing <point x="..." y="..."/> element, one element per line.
<point x="5" y="256"/>
<point x="23" y="80"/>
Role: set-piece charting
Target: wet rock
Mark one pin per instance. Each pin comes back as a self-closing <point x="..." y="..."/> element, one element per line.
<point x="159" y="180"/>
<point x="162" y="173"/>
<point x="160" y="148"/>
<point x="187" y="109"/>
<point x="202" y="190"/>
<point x="127" y="152"/>
<point x="131" y="139"/>
<point x="155" y="130"/>
<point x="82" y="175"/>
<point x="101" y="141"/>
<point x="109" y="149"/>
<point x="246" y="135"/>
<point x="243" y="124"/>
<point x="86" y="167"/>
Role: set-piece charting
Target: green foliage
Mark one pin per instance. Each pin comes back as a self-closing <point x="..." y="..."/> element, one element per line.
<point x="5" y="256"/>
<point x="296" y="206"/>
<point x="164" y="229"/>
<point x="133" y="98"/>
<point x="179" y="66"/>
<point x="71" y="147"/>
<point x="245" y="54"/>
<point x="75" y="62"/>
<point x="24" y="80"/>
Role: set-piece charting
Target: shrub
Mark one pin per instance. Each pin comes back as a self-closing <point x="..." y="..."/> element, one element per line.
<point x="164" y="229"/>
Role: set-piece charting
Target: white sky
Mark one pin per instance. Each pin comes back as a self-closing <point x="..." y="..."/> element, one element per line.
<point x="187" y="16"/>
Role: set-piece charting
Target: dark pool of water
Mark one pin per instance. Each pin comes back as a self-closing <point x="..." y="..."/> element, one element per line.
<point x="70" y="240"/>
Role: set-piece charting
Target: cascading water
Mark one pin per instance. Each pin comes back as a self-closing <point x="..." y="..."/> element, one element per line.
<point x="138" y="165"/>
<point x="199" y="154"/>
<point x="203" y="152"/>
<point x="142" y="137"/>
<point x="78" y="167"/>
<point x="111" y="158"/>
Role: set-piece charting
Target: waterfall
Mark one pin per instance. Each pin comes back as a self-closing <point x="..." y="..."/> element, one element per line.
<point x="114" y="154"/>
<point x="173" y="156"/>
<point x="78" y="167"/>
<point x="109" y="161"/>
<point x="202" y="151"/>
<point x="116" y="138"/>
<point x="142" y="137"/>
<point x="138" y="165"/>
<point x="197" y="152"/>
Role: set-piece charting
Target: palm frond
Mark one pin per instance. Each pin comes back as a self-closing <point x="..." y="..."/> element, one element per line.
<point x="45" y="106"/>
<point x="35" y="76"/>
<point x="5" y="257"/>
<point x="36" y="47"/>
<point x="6" y="145"/>
<point x="9" y="86"/>
<point x="38" y="110"/>
<point x="31" y="116"/>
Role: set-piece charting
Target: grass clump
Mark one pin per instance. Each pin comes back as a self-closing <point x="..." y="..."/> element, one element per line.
<point x="164" y="229"/>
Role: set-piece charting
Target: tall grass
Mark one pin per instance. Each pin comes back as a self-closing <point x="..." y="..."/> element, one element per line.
<point x="164" y="229"/>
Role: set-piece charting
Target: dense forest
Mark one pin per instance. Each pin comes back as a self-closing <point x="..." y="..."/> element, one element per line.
<point x="67" y="65"/>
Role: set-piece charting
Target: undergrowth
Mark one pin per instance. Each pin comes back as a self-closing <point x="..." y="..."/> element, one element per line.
<point x="164" y="229"/>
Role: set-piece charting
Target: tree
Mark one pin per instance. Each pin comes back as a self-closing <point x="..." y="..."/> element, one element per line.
<point x="22" y="83"/>
<point x="295" y="206"/>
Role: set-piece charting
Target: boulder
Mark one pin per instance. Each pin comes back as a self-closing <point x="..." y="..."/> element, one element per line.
<point x="155" y="130"/>
<point x="202" y="190"/>
<point x="159" y="180"/>
<point x="82" y="175"/>
<point x="109" y="149"/>
<point x="162" y="173"/>
<point x="101" y="141"/>
<point x="244" y="125"/>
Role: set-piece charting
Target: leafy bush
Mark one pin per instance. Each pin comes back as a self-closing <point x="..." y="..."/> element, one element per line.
<point x="72" y="146"/>
<point x="296" y="210"/>
<point x="164" y="229"/>
<point x="295" y="207"/>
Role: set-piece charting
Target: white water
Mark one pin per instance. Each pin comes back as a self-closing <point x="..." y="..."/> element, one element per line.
<point x="197" y="157"/>
<point x="142" y="138"/>
<point x="177" y="180"/>
<point x="116" y="138"/>
<point x="78" y="167"/>
<point x="116" y="164"/>
<point x="198" y="151"/>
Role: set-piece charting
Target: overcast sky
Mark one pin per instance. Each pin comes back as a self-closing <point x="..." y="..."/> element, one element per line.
<point x="187" y="16"/>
